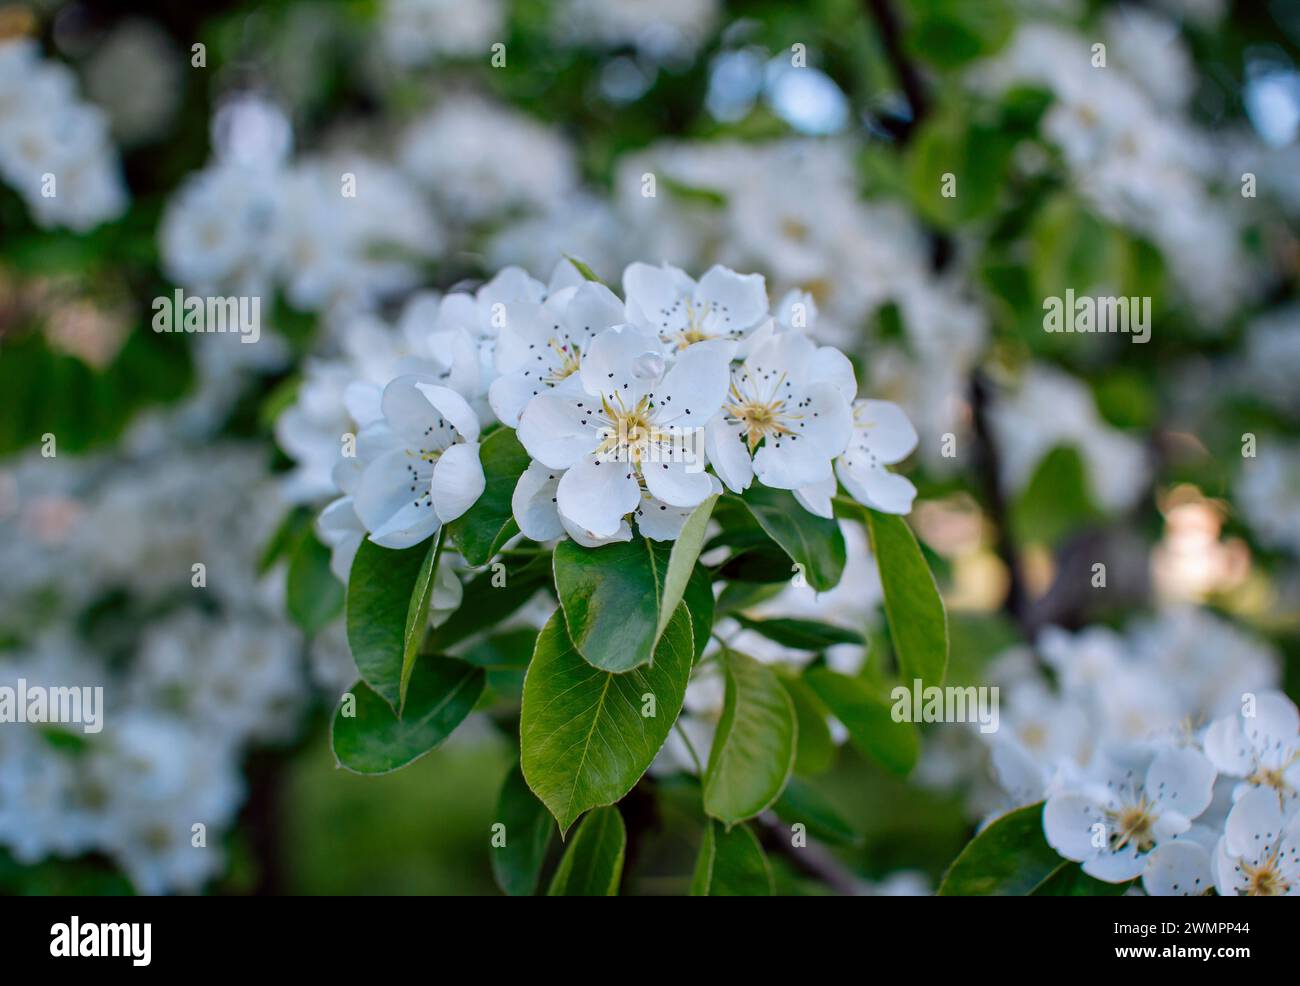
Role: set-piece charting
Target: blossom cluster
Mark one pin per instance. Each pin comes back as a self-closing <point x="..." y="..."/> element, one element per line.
<point x="1164" y="754"/>
<point x="54" y="148"/>
<point x="622" y="404"/>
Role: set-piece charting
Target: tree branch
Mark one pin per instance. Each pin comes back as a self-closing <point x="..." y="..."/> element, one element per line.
<point x="811" y="860"/>
<point x="891" y="38"/>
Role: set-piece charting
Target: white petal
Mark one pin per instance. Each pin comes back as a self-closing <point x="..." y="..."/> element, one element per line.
<point x="736" y="301"/>
<point x="1227" y="748"/>
<point x="883" y="429"/>
<point x="533" y="503"/>
<point x="1116" y="867"/>
<point x="1254" y="825"/>
<point x="676" y="483"/>
<point x="510" y="394"/>
<point x="588" y="539"/>
<point x="410" y="415"/>
<point x="1068" y="821"/>
<point x="395" y="515"/>
<point x="693" y="388"/>
<point x="619" y="366"/>
<point x="458" y="480"/>
<point x="724" y="443"/>
<point x="829" y="365"/>
<point x="816" y="498"/>
<point x="558" y="430"/>
<point x="655" y="296"/>
<point x="877" y="488"/>
<point x="452" y="407"/>
<point x="1181" y="780"/>
<point x="592" y="309"/>
<point x="596" y="495"/>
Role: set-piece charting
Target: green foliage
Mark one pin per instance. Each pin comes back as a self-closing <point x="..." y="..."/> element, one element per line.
<point x="754" y="747"/>
<point x="313" y="596"/>
<point x="375" y="740"/>
<point x="484" y="529"/>
<point x="814" y="544"/>
<point x="592" y="864"/>
<point x="731" y="864"/>
<point x="528" y="830"/>
<point x="584" y="734"/>
<point x="1010" y="857"/>
<point x="868" y="719"/>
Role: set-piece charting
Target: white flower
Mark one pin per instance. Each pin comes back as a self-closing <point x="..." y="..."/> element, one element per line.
<point x="665" y="300"/>
<point x="1259" y="853"/>
<point x="426" y="471"/>
<point x="540" y="346"/>
<point x="788" y="407"/>
<point x="1263" y="749"/>
<point x="882" y="436"/>
<point x="625" y="431"/>
<point x="1127" y="811"/>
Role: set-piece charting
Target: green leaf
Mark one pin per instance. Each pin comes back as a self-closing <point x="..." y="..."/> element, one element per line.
<point x="583" y="269"/>
<point x="800" y="803"/>
<point x="739" y="596"/>
<point x="293" y="526"/>
<point x="699" y="601"/>
<point x="592" y="864"/>
<point x="376" y="741"/>
<point x="815" y="544"/>
<point x="867" y="717"/>
<point x="1069" y="880"/>
<point x="918" y="624"/>
<point x="754" y="746"/>
<point x="809" y="635"/>
<point x="313" y="595"/>
<point x="815" y="747"/>
<point x="583" y="739"/>
<point x="610" y="599"/>
<point x="731" y="864"/>
<point x="417" y="613"/>
<point x="492" y="596"/>
<point x="682" y="556"/>
<point x="528" y="830"/>
<point x="1010" y="858"/>
<point x="484" y="529"/>
<point x="380" y="590"/>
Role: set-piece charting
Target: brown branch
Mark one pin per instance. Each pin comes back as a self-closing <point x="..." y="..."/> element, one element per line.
<point x="811" y="859"/>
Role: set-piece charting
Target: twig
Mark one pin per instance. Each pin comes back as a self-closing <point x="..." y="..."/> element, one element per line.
<point x="987" y="468"/>
<point x="811" y="859"/>
<point x="891" y="38"/>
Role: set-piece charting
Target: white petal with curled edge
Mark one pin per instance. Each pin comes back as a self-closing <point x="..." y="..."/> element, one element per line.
<point x="597" y="495"/>
<point x="534" y="503"/>
<point x="453" y="408"/>
<point x="558" y="430"/>
<point x="884" y="429"/>
<point x="458" y="480"/>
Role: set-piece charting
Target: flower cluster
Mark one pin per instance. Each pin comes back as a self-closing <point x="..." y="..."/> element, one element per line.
<point x="1164" y="754"/>
<point x="54" y="148"/>
<point x="622" y="404"/>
